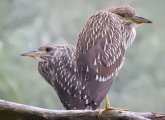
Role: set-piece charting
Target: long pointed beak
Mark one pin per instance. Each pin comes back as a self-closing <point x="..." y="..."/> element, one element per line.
<point x="33" y="54"/>
<point x="140" y="20"/>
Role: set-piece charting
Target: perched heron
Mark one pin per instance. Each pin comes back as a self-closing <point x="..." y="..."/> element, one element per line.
<point x="101" y="50"/>
<point x="83" y="76"/>
<point x="58" y="66"/>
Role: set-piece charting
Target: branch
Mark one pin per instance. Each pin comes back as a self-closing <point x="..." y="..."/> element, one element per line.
<point x="15" y="111"/>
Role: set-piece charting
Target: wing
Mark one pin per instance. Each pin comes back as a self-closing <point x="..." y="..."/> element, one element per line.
<point x="60" y="71"/>
<point x="100" y="55"/>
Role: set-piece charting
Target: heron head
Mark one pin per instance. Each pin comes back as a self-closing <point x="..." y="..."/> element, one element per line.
<point x="42" y="53"/>
<point x="128" y="14"/>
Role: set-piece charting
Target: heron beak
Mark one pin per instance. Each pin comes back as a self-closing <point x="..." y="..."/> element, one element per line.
<point x="34" y="54"/>
<point x="140" y="20"/>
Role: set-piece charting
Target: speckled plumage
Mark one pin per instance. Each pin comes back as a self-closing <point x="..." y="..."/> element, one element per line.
<point x="98" y="58"/>
<point x="100" y="51"/>
<point x="60" y="70"/>
<point x="83" y="76"/>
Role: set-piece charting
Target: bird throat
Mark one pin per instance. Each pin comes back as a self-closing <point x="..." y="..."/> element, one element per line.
<point x="39" y="59"/>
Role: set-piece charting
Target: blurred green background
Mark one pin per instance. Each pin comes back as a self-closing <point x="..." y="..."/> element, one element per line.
<point x="27" y="24"/>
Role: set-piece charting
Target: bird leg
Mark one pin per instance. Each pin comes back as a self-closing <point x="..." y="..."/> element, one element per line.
<point x="107" y="103"/>
<point x="108" y="106"/>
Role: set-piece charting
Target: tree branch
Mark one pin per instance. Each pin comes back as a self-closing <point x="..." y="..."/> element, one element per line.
<point x="15" y="111"/>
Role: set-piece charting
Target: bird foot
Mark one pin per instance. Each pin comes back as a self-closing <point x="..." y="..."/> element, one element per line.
<point x="101" y="111"/>
<point x="113" y="108"/>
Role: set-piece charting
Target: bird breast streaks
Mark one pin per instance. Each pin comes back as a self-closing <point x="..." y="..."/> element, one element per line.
<point x="82" y="76"/>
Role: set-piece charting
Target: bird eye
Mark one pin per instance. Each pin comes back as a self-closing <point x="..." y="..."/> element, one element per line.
<point x="122" y="15"/>
<point x="48" y="49"/>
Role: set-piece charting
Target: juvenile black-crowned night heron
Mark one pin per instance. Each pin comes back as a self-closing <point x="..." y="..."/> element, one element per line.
<point x="82" y="77"/>
<point x="101" y="49"/>
<point x="57" y="64"/>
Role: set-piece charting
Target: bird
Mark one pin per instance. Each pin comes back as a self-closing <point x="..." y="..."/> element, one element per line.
<point x="82" y="76"/>
<point x="101" y="49"/>
<point x="57" y="64"/>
